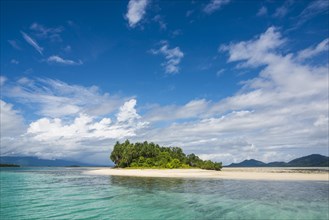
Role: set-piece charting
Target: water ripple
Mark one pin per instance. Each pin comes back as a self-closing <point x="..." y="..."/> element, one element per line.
<point x="60" y="193"/>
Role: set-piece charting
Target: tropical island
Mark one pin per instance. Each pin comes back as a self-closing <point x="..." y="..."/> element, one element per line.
<point x="8" y="165"/>
<point x="149" y="160"/>
<point x="150" y="155"/>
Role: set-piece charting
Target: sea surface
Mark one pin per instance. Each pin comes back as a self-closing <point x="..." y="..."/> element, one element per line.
<point x="69" y="193"/>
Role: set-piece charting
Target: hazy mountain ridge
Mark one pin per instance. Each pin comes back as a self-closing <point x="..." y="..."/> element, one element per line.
<point x="313" y="160"/>
<point x="34" y="161"/>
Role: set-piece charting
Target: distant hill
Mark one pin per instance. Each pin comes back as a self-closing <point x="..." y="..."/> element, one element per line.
<point x="313" y="160"/>
<point x="8" y="165"/>
<point x="248" y="163"/>
<point x="277" y="164"/>
<point x="34" y="161"/>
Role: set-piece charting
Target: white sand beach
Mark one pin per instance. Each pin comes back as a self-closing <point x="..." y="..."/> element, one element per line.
<point x="290" y="174"/>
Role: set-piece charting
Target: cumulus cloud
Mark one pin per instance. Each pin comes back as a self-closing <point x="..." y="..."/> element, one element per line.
<point x="32" y="42"/>
<point x="215" y="5"/>
<point x="87" y="128"/>
<point x="60" y="60"/>
<point x="128" y="112"/>
<point x="136" y="11"/>
<point x="73" y="137"/>
<point x="173" y="57"/>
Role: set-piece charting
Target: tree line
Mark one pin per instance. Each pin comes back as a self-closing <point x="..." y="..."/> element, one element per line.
<point x="150" y="155"/>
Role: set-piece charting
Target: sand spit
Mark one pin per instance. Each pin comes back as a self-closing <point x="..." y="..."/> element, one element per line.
<point x="226" y="173"/>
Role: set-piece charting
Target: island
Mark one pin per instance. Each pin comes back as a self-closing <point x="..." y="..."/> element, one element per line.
<point x="151" y="155"/>
<point x="149" y="160"/>
<point x="8" y="165"/>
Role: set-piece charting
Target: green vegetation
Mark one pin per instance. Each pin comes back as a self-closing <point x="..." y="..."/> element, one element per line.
<point x="150" y="155"/>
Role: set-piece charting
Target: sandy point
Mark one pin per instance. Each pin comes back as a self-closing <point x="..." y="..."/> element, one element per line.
<point x="226" y="173"/>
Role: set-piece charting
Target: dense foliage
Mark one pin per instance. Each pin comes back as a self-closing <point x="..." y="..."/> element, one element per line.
<point x="150" y="155"/>
<point x="8" y="165"/>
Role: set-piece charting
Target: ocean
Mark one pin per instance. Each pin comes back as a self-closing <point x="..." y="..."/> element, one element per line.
<point x="69" y="193"/>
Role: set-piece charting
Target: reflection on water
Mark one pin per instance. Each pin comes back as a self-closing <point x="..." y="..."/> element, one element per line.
<point x="149" y="183"/>
<point x="69" y="193"/>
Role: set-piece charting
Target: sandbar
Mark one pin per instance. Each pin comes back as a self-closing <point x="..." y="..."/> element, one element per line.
<point x="298" y="174"/>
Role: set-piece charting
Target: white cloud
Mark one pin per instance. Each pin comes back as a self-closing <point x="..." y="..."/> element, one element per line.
<point x="262" y="11"/>
<point x="49" y="33"/>
<point x="136" y="11"/>
<point x="60" y="60"/>
<point x="32" y="42"/>
<point x="85" y="131"/>
<point x="313" y="51"/>
<point x="53" y="98"/>
<point x="256" y="52"/>
<point x="215" y="5"/>
<point x="128" y="112"/>
<point x="85" y="127"/>
<point x="76" y="122"/>
<point x="12" y="128"/>
<point x="76" y="137"/>
<point x="173" y="57"/>
<point x="12" y="122"/>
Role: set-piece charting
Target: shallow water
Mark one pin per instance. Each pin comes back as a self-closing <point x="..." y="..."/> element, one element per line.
<point x="68" y="193"/>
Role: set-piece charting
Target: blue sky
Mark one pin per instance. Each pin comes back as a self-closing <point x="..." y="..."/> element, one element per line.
<point x="225" y="79"/>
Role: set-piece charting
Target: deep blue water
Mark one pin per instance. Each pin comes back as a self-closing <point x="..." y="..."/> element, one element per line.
<point x="68" y="193"/>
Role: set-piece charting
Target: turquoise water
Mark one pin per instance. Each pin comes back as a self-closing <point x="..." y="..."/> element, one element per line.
<point x="68" y="193"/>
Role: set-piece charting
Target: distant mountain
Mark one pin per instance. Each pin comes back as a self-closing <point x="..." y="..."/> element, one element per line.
<point x="277" y="164"/>
<point x="34" y="161"/>
<point x="313" y="160"/>
<point x="248" y="163"/>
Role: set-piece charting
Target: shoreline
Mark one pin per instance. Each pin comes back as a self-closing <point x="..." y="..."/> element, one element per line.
<point x="226" y="173"/>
